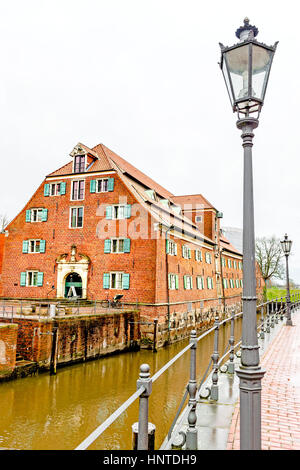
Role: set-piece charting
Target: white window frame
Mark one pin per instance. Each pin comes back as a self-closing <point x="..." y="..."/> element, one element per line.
<point x="97" y="183"/>
<point x="71" y="195"/>
<point x="29" y="245"/>
<point x="185" y="251"/>
<point x="189" y="282"/>
<point x="197" y="217"/>
<point x="31" y="272"/>
<point x="70" y="216"/>
<point x="198" y="252"/>
<point x="208" y="258"/>
<point x="79" y="155"/>
<point x="120" y="273"/>
<point x="39" y="210"/>
<point x="56" y="191"/>
<point x="229" y="263"/>
<point x="172" y="248"/>
<point x="113" y="211"/>
<point x="118" y="245"/>
<point x="200" y="282"/>
<point x="172" y="282"/>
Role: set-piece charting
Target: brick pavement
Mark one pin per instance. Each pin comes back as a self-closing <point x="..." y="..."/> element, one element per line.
<point x="280" y="394"/>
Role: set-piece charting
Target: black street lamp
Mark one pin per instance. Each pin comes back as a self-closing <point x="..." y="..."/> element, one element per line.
<point x="246" y="68"/>
<point x="286" y="246"/>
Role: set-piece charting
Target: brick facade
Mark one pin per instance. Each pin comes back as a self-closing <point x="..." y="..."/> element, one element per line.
<point x="8" y="347"/>
<point x="146" y="266"/>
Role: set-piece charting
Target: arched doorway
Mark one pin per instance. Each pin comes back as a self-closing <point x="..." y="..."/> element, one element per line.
<point x="73" y="285"/>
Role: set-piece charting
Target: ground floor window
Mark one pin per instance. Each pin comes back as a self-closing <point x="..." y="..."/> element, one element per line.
<point x="116" y="280"/>
<point x="32" y="278"/>
<point x="173" y="281"/>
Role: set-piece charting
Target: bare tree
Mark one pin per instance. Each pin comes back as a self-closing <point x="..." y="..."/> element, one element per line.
<point x="269" y="256"/>
<point x="3" y="222"/>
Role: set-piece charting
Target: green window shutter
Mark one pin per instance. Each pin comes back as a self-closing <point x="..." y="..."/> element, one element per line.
<point x="127" y="245"/>
<point x="176" y="281"/>
<point x="128" y="211"/>
<point x="167" y="246"/>
<point x="191" y="282"/>
<point x="110" y="184"/>
<point x="183" y="251"/>
<point x="25" y="246"/>
<point x="46" y="189"/>
<point x="40" y="278"/>
<point x="207" y="280"/>
<point x="184" y="281"/>
<point x="169" y="281"/>
<point x="125" y="281"/>
<point x="92" y="186"/>
<point x="28" y="216"/>
<point x="190" y="253"/>
<point x="212" y="283"/>
<point x="107" y="245"/>
<point x="23" y="279"/>
<point x="106" y="280"/>
<point x="109" y="212"/>
<point x="42" y="246"/>
<point x="44" y="215"/>
<point x="62" y="188"/>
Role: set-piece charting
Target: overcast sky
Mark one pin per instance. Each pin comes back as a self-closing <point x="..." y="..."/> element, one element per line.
<point x="142" y="77"/>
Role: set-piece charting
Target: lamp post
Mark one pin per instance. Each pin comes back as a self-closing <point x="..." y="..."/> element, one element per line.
<point x="286" y="246"/>
<point x="246" y="68"/>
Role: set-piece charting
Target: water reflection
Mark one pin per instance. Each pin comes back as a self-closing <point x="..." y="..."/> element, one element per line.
<point x="58" y="412"/>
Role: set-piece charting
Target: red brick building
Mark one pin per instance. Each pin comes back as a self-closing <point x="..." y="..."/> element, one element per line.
<point x="98" y="226"/>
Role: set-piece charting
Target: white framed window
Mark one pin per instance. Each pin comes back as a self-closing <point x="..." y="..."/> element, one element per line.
<point x="32" y="278"/>
<point x="223" y="261"/>
<point x="77" y="190"/>
<point x="187" y="282"/>
<point x="102" y="185"/>
<point x="186" y="252"/>
<point x="34" y="246"/>
<point x="240" y="265"/>
<point x="198" y="218"/>
<point x="171" y="247"/>
<point x="234" y="264"/>
<point x="198" y="255"/>
<point x="237" y="283"/>
<point x="200" y="282"/>
<point x="210" y="284"/>
<point x="118" y="212"/>
<point x="241" y="282"/>
<point x="208" y="258"/>
<point x="116" y="280"/>
<point x="173" y="281"/>
<point x="229" y="263"/>
<point x="55" y="189"/>
<point x="79" y="164"/>
<point x="225" y="283"/>
<point x="117" y="245"/>
<point x="36" y="215"/>
<point x="76" y="217"/>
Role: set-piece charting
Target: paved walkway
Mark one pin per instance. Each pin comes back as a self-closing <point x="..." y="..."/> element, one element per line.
<point x="280" y="393"/>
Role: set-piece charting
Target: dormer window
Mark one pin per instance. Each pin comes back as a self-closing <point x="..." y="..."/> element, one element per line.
<point x="79" y="163"/>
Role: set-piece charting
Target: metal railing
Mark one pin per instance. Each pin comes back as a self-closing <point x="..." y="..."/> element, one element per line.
<point x="269" y="316"/>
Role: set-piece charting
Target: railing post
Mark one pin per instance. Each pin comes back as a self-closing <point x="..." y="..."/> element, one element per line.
<point x="191" y="433"/>
<point x="276" y="311"/>
<point x="268" y="319"/>
<point x="214" y="393"/>
<point x="230" y="369"/>
<point x="272" y="315"/>
<point x="146" y="382"/>
<point x="262" y="329"/>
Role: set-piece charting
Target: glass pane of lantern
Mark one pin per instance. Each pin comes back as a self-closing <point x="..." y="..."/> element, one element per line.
<point x="261" y="60"/>
<point x="238" y="63"/>
<point x="227" y="81"/>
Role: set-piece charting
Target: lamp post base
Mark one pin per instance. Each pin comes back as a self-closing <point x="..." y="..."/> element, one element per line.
<point x="250" y="407"/>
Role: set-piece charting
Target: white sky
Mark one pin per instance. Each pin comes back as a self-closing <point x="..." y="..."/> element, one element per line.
<point x="142" y="77"/>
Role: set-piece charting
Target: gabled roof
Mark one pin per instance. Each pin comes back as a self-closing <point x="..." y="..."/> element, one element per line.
<point x="193" y="199"/>
<point x="225" y="244"/>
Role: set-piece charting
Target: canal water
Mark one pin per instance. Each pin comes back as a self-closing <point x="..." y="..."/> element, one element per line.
<point x="58" y="412"/>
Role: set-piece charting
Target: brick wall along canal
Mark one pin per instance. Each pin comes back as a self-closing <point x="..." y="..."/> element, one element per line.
<point x="58" y="412"/>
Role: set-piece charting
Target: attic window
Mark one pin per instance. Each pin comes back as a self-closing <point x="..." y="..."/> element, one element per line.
<point x="165" y="202"/>
<point x="151" y="193"/>
<point x="79" y="164"/>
